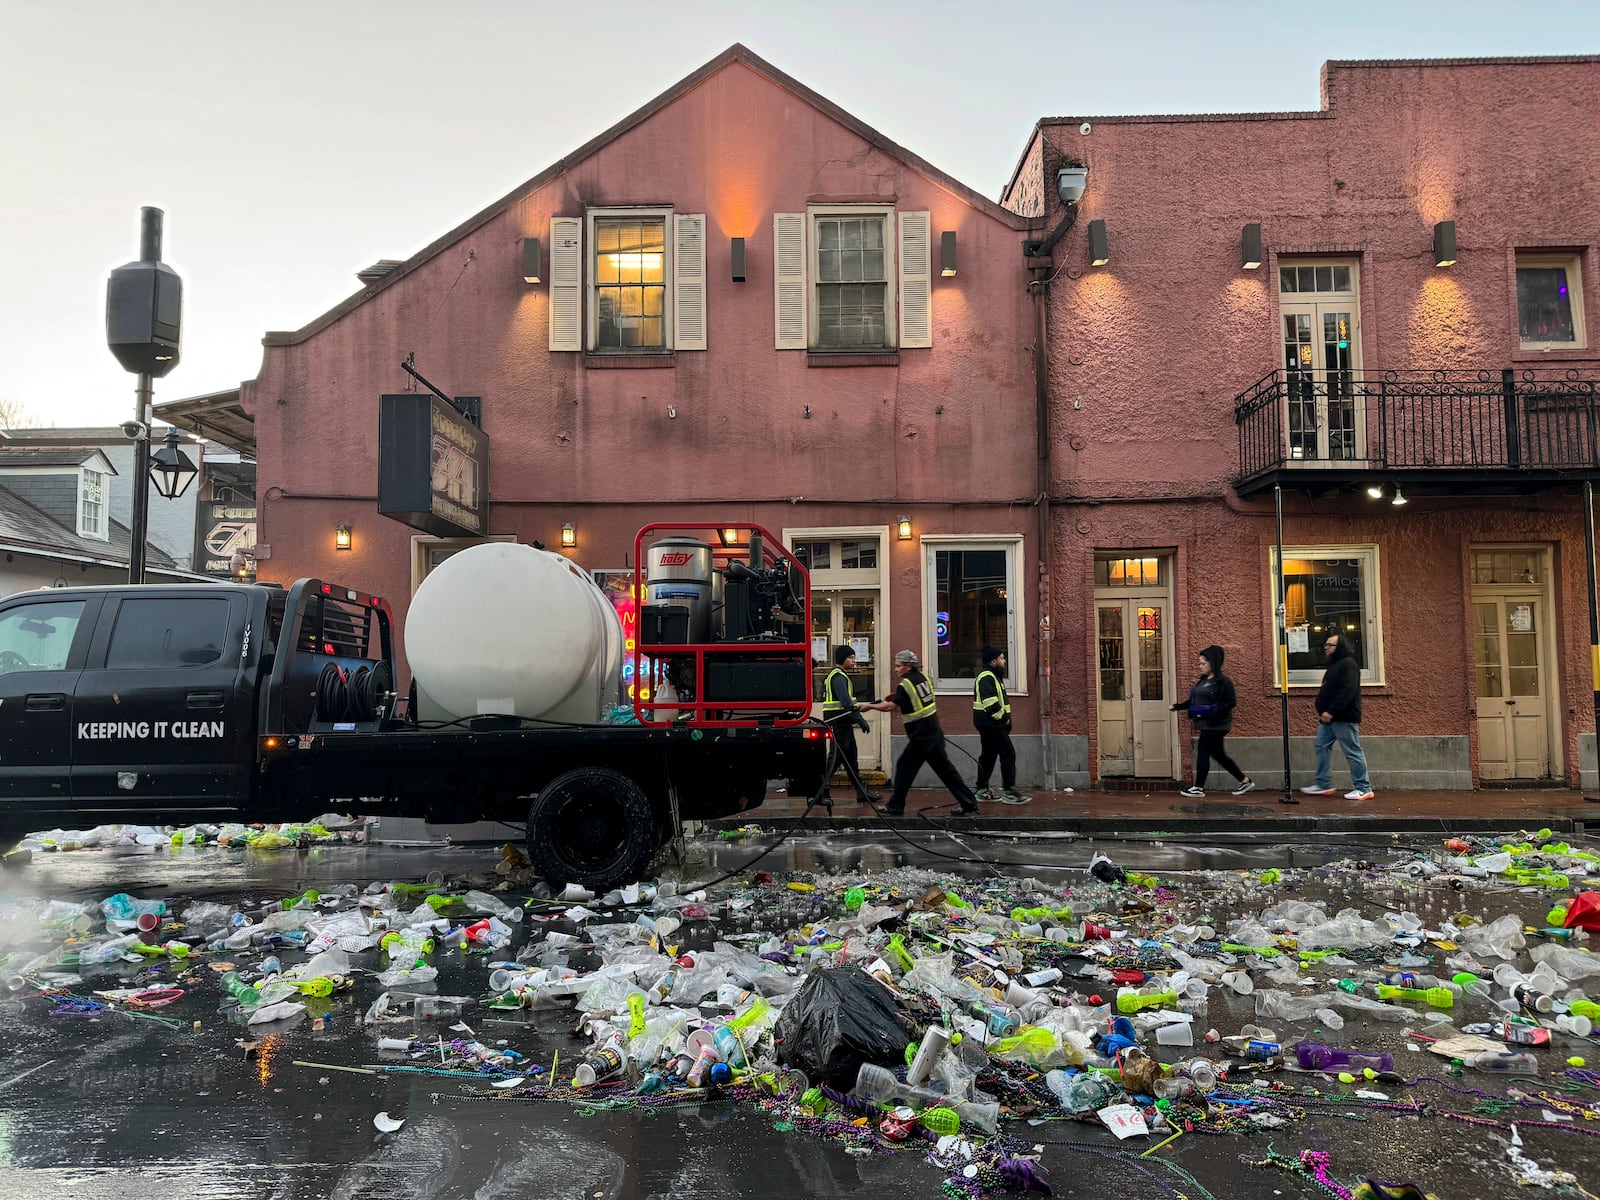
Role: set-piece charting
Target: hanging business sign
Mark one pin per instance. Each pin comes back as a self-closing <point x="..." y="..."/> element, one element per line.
<point x="433" y="466"/>
<point x="223" y="528"/>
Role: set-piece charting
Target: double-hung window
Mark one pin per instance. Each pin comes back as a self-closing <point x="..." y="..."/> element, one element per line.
<point x="852" y="279"/>
<point x="92" y="505"/>
<point x="1329" y="590"/>
<point x="628" y="282"/>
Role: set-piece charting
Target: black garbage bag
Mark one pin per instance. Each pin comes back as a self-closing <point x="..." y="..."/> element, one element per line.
<point x="839" y="1019"/>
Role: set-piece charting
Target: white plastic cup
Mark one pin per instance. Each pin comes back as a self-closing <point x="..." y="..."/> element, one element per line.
<point x="1178" y="1033"/>
<point x="1239" y="982"/>
<point x="401" y="1044"/>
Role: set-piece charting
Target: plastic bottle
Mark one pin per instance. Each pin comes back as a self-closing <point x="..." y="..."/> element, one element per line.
<point x="876" y="1084"/>
<point x="933" y="1045"/>
<point x="240" y="990"/>
<point x="1510" y="1063"/>
<point x="1439" y="997"/>
<point x="729" y="1049"/>
<point x="1314" y="1056"/>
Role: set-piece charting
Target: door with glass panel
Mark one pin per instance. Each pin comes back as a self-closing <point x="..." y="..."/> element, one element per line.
<point x="1134" y="666"/>
<point x="1320" y="326"/>
<point x="1513" y="718"/>
<point x="841" y="618"/>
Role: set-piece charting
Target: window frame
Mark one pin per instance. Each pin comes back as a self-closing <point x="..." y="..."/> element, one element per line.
<point x="887" y="214"/>
<point x="1017" y="644"/>
<point x="1370" y="564"/>
<point x="1572" y="262"/>
<point x="591" y="282"/>
<point x="85" y="620"/>
<point x="98" y="531"/>
<point x="130" y="605"/>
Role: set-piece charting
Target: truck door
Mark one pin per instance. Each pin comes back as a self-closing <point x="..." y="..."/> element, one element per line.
<point x="43" y="640"/>
<point x="163" y="713"/>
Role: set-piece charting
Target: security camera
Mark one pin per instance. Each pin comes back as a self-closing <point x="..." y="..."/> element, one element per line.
<point x="1070" y="182"/>
<point x="1085" y="128"/>
<point x="135" y="431"/>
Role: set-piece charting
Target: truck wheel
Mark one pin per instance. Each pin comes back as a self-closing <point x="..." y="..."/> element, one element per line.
<point x="592" y="826"/>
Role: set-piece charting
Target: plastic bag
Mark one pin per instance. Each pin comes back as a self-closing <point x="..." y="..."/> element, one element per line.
<point x="839" y="1019"/>
<point x="1500" y="938"/>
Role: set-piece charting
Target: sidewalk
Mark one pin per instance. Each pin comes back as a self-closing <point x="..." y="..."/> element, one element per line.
<point x="1099" y="813"/>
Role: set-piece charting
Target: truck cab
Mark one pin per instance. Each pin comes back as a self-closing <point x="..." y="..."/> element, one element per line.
<point x="127" y="703"/>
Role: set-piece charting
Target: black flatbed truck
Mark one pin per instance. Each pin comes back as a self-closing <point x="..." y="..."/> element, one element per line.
<point x="156" y="704"/>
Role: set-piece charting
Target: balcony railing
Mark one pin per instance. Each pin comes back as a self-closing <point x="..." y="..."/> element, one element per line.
<point x="1455" y="425"/>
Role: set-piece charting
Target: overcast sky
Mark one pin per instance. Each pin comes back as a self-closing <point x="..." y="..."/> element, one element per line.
<point x="295" y="142"/>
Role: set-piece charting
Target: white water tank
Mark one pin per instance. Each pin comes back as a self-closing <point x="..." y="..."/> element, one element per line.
<point x="504" y="628"/>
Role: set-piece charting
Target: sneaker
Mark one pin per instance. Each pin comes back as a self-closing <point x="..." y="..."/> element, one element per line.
<point x="1313" y="790"/>
<point x="1358" y="794"/>
<point x="983" y="794"/>
<point x="1247" y="786"/>
<point x="1193" y="791"/>
<point x="1007" y="796"/>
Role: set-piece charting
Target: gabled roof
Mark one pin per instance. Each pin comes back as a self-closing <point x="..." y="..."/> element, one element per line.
<point x="28" y="529"/>
<point x="33" y="457"/>
<point x="734" y="54"/>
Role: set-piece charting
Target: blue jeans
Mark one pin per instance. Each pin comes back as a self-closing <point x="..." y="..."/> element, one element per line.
<point x="1348" y="735"/>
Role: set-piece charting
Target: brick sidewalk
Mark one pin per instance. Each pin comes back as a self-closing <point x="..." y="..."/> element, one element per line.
<point x="1090" y="812"/>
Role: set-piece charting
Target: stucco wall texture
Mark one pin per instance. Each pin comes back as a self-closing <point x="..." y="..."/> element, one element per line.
<point x="740" y="431"/>
<point x="1149" y="352"/>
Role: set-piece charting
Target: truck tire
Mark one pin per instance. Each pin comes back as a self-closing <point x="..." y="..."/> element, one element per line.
<point x="592" y="826"/>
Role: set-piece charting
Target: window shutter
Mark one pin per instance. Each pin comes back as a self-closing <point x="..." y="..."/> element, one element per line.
<point x="916" y="290"/>
<point x="566" y="283"/>
<point x="689" y="281"/>
<point x="789" y="279"/>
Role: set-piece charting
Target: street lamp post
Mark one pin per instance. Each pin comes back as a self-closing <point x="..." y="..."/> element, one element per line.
<point x="144" y="318"/>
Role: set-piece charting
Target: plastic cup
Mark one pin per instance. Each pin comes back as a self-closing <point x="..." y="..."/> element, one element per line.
<point x="1179" y="1033"/>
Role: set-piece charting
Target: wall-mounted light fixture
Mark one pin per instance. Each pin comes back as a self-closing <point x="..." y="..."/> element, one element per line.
<point x="1399" y="496"/>
<point x="341" y="537"/>
<point x="729" y="536"/>
<point x="1444" y="244"/>
<point x="1070" y="182"/>
<point x="947" y="253"/>
<point x="1099" y="245"/>
<point x="738" y="259"/>
<point x="531" y="260"/>
<point x="903" y="529"/>
<point x="1375" y="490"/>
<point x="1250" y="247"/>
<point x="569" y="536"/>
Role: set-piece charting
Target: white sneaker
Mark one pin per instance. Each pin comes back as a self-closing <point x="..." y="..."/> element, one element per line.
<point x="1192" y="791"/>
<point x="1247" y="786"/>
<point x="1312" y="789"/>
<point x="1358" y="794"/>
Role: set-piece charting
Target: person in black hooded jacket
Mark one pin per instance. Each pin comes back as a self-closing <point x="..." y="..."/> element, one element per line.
<point x="1210" y="706"/>
<point x="1339" y="720"/>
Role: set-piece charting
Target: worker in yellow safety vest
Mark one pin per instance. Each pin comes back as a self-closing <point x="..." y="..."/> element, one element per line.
<point x="913" y="696"/>
<point x="842" y="711"/>
<point x="991" y="716"/>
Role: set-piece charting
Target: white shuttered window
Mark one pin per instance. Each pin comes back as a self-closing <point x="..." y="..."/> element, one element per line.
<point x="852" y="277"/>
<point x="689" y="281"/>
<point x="789" y="275"/>
<point x="566" y="283"/>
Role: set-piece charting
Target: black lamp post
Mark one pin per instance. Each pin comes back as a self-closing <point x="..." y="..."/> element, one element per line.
<point x="144" y="317"/>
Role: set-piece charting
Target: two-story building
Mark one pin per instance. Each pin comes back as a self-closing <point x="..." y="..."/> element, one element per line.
<point x="1374" y="315"/>
<point x="740" y="304"/>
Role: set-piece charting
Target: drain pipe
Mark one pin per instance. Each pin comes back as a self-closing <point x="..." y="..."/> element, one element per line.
<point x="1040" y="288"/>
<point x="1283" y="650"/>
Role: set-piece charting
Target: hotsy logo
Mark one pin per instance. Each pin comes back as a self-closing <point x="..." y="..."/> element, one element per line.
<point x="676" y="558"/>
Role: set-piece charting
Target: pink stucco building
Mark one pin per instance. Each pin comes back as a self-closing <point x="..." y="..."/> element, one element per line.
<point x="745" y="305"/>
<point x="1378" y="308"/>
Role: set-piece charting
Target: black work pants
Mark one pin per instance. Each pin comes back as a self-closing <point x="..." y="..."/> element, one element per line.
<point x="928" y="750"/>
<point x="1209" y="748"/>
<point x="996" y="743"/>
<point x="844" y="737"/>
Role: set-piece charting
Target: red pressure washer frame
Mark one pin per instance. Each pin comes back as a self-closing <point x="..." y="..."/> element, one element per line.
<point x="794" y="710"/>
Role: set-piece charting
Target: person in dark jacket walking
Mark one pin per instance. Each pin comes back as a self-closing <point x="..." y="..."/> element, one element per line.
<point x="1210" y="706"/>
<point x="991" y="717"/>
<point x="1339" y="717"/>
<point x="914" y="697"/>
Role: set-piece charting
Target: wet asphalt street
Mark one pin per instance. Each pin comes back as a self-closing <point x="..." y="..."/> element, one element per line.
<point x="124" y="1107"/>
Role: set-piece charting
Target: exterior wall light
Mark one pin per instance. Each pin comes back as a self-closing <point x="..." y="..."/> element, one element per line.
<point x="1399" y="496"/>
<point x="1250" y="247"/>
<point x="1099" y="245"/>
<point x="903" y="529"/>
<point x="531" y="260"/>
<point x="1375" y="490"/>
<point x="1444" y="244"/>
<point x="737" y="249"/>
<point x="341" y="537"/>
<point x="947" y="253"/>
<point x="729" y="536"/>
<point x="569" y="536"/>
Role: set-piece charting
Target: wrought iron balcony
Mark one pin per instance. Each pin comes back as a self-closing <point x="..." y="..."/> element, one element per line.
<point x="1325" y="430"/>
